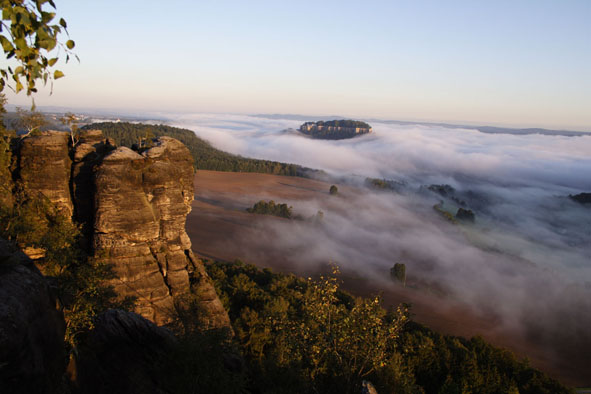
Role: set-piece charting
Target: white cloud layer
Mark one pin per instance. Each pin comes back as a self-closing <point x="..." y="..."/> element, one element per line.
<point x="528" y="258"/>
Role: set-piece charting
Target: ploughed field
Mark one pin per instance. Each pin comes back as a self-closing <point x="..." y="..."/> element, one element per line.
<point x="220" y="228"/>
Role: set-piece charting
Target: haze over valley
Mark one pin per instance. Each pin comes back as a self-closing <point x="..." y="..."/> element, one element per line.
<point x="529" y="246"/>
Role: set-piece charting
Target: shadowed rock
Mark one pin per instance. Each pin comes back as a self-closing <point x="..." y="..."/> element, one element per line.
<point x="124" y="353"/>
<point x="31" y="328"/>
<point x="89" y="151"/>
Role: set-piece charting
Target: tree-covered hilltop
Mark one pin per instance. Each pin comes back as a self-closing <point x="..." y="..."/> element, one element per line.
<point x="341" y="123"/>
<point x="335" y="129"/>
<point x="306" y="336"/>
<point x="206" y="156"/>
<point x="581" y="198"/>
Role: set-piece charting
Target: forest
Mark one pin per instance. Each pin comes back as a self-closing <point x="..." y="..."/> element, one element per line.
<point x="307" y="336"/>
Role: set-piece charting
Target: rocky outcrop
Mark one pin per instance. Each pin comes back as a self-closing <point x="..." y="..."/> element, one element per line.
<point x="44" y="167"/>
<point x="90" y="150"/>
<point x="32" y="329"/>
<point x="132" y="208"/>
<point x="213" y="314"/>
<point x="141" y="203"/>
<point x="124" y="353"/>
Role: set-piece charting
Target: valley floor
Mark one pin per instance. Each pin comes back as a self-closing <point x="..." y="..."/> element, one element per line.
<point x="221" y="229"/>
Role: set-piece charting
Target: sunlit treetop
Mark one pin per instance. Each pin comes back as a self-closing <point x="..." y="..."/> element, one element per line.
<point x="29" y="35"/>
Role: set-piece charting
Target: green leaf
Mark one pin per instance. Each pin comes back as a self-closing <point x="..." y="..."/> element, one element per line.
<point x="63" y="23"/>
<point x="19" y="86"/>
<point x="6" y="44"/>
<point x="51" y="62"/>
<point x="57" y="74"/>
<point x="70" y="44"/>
<point x="46" y="17"/>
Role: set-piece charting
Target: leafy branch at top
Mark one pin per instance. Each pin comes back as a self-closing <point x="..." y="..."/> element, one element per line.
<point x="29" y="36"/>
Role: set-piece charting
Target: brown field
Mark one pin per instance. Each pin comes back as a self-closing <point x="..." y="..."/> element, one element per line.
<point x="221" y="229"/>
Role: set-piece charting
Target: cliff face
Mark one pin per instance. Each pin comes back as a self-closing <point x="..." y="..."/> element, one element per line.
<point x="44" y="167"/>
<point x="132" y="208"/>
<point x="141" y="203"/>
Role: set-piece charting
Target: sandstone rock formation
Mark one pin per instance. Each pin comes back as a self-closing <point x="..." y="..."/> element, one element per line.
<point x="122" y="354"/>
<point x="141" y="203"/>
<point x="132" y="208"/>
<point x="31" y="328"/>
<point x="89" y="152"/>
<point x="44" y="167"/>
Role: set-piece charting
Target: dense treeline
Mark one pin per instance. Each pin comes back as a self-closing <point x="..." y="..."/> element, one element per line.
<point x="341" y="123"/>
<point x="300" y="336"/>
<point x="206" y="156"/>
<point x="271" y="208"/>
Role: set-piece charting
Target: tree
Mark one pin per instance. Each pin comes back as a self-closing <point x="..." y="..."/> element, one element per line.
<point x="71" y="121"/>
<point x="29" y="37"/>
<point x="333" y="190"/>
<point x="30" y="121"/>
<point x="398" y="272"/>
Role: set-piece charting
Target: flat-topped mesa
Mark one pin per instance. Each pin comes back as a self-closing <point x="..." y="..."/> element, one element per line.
<point x="335" y="129"/>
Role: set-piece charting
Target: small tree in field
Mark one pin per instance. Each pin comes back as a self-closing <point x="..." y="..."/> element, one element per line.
<point x="333" y="190"/>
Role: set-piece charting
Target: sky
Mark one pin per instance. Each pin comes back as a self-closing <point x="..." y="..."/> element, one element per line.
<point x="509" y="63"/>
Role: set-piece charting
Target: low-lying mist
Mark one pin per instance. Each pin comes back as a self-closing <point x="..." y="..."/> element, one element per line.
<point x="527" y="257"/>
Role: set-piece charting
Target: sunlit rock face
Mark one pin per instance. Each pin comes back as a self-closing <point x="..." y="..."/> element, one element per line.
<point x="44" y="167"/>
<point x="141" y="203"/>
<point x="132" y="209"/>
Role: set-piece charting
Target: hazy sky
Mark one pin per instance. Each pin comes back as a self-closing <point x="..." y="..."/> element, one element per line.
<point x="499" y="62"/>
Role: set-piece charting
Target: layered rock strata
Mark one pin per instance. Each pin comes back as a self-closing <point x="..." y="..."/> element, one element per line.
<point x="132" y="208"/>
<point x="44" y="167"/>
<point x="141" y="203"/>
